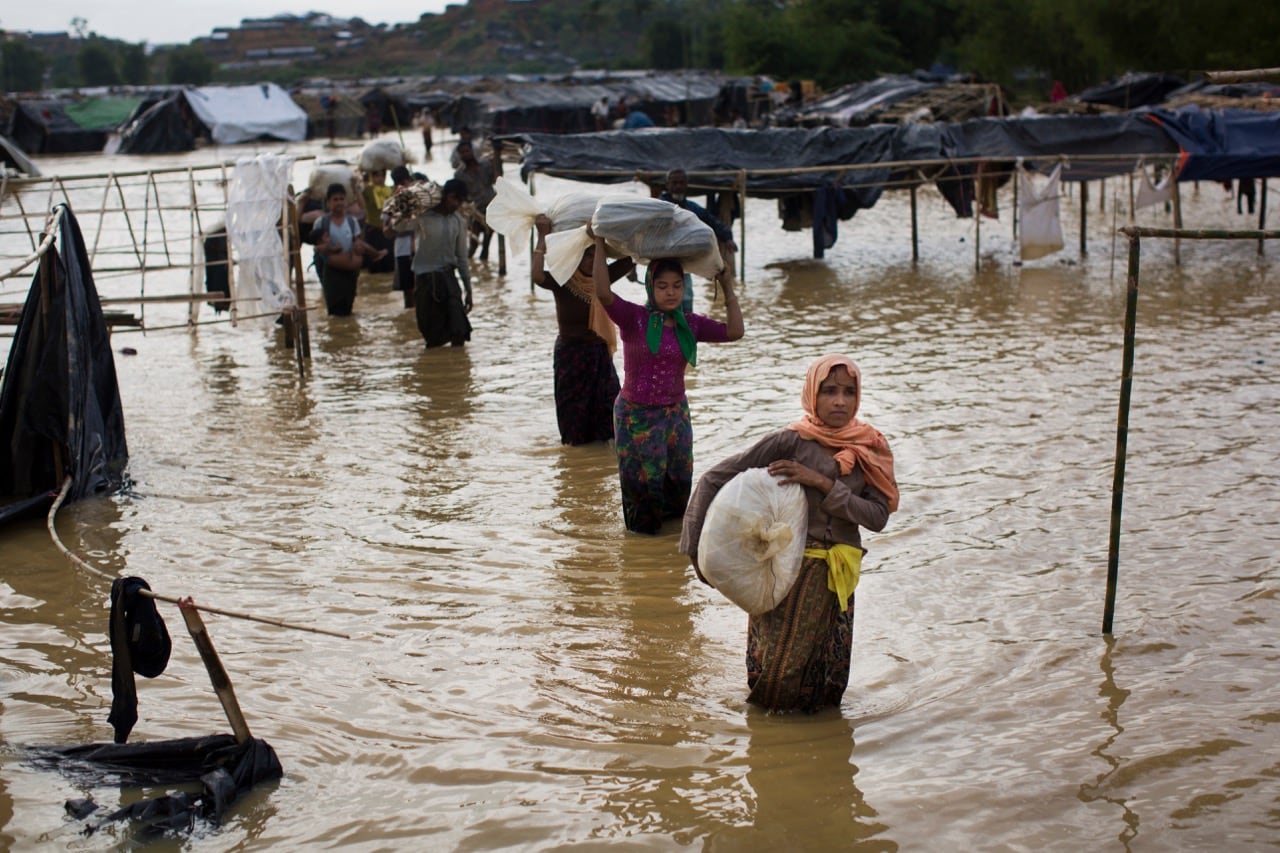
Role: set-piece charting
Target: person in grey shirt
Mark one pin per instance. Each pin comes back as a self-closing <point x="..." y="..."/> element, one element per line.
<point x="441" y="306"/>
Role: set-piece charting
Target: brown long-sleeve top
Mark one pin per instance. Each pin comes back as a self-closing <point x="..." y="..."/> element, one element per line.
<point x="833" y="518"/>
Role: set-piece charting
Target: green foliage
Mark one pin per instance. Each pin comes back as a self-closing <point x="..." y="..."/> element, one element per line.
<point x="134" y="66"/>
<point x="188" y="66"/>
<point x="665" y="39"/>
<point x="97" y="63"/>
<point x="21" y="67"/>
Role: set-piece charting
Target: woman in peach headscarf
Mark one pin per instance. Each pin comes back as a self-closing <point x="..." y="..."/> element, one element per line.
<point x="798" y="654"/>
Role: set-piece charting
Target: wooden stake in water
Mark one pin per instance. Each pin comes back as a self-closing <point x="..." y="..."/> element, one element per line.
<point x="217" y="674"/>
<point x="1122" y="433"/>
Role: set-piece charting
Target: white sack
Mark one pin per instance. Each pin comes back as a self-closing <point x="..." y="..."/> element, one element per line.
<point x="513" y="211"/>
<point x="331" y="173"/>
<point x="1041" y="228"/>
<point x="382" y="155"/>
<point x="649" y="228"/>
<point x="753" y="540"/>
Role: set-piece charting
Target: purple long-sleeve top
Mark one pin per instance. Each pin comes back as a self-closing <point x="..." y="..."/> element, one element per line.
<point x="651" y="379"/>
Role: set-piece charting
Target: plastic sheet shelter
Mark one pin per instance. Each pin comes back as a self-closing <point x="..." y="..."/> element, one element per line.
<point x="542" y="107"/>
<point x="66" y="126"/>
<point x="777" y="160"/>
<point x="60" y="411"/>
<point x="165" y="127"/>
<point x="1044" y="141"/>
<point x="235" y="114"/>
<point x="1222" y="145"/>
<point x="342" y="108"/>
<point x="1132" y="90"/>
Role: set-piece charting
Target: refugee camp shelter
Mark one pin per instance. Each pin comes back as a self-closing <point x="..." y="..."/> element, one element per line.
<point x="512" y="105"/>
<point x="165" y="127"/>
<point x="235" y="114"/>
<point x="896" y="98"/>
<point x="67" y="125"/>
<point x="341" y="108"/>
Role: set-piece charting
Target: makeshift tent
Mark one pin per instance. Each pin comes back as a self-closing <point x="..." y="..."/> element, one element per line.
<point x="343" y="109"/>
<point x="64" y="126"/>
<point x="60" y="412"/>
<point x="162" y="128"/>
<point x="235" y="114"/>
<point x="541" y="107"/>
<point x="1135" y="89"/>
<point x="855" y="105"/>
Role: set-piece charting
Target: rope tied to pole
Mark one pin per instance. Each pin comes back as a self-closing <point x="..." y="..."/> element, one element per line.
<point x="181" y="602"/>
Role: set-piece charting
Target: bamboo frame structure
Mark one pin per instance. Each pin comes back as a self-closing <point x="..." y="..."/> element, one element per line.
<point x="131" y="205"/>
<point x="1135" y="235"/>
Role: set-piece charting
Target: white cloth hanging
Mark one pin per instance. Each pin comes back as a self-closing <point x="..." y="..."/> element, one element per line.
<point x="1038" y="210"/>
<point x="1149" y="194"/>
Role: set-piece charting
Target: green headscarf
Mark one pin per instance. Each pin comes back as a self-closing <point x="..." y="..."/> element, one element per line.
<point x="657" y="319"/>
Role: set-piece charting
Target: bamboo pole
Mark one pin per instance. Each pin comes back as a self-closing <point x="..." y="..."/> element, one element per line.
<point x="742" y="225"/>
<point x="18" y="183"/>
<point x="1084" y="218"/>
<point x="234" y="310"/>
<point x="193" y="225"/>
<point x="1122" y="433"/>
<point x="1249" y="76"/>
<point x="977" y="239"/>
<point x="915" y="228"/>
<point x="217" y="674"/>
<point x="1177" y="219"/>
<point x="1262" y="213"/>
<point x="1013" y="218"/>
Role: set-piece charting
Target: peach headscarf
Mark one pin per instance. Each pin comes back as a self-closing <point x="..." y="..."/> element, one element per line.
<point x="856" y="443"/>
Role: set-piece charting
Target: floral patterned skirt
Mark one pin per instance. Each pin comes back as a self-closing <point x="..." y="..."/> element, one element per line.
<point x="655" y="462"/>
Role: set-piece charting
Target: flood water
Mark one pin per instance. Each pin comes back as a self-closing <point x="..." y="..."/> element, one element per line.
<point x="523" y="673"/>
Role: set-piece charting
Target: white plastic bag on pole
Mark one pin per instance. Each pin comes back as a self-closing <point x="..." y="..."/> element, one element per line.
<point x="753" y="540"/>
<point x="1041" y="232"/>
<point x="649" y="228"/>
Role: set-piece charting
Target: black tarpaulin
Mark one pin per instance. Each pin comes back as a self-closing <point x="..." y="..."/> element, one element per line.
<point x="777" y="160"/>
<point x="163" y="127"/>
<point x="1045" y="141"/>
<point x="60" y="412"/>
<point x="1135" y="89"/>
<point x="216" y="770"/>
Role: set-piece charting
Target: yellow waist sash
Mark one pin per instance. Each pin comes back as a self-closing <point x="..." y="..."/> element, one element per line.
<point x="844" y="564"/>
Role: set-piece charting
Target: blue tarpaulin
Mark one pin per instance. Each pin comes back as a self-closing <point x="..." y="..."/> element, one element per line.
<point x="1223" y="145"/>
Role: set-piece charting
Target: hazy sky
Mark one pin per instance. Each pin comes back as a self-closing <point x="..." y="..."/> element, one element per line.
<point x="160" y="22"/>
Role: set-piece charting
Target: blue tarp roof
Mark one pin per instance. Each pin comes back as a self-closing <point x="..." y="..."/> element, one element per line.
<point x="1222" y="145"/>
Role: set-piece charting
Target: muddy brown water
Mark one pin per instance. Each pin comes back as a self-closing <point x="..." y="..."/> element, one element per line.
<point x="525" y="674"/>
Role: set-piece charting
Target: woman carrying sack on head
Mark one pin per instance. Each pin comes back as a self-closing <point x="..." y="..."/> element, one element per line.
<point x="798" y="653"/>
<point x="652" y="433"/>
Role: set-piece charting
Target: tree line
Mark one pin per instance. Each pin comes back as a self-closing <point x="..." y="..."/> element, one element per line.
<point x="1021" y="44"/>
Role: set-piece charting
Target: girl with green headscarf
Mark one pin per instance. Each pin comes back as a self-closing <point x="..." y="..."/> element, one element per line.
<point x="653" y="436"/>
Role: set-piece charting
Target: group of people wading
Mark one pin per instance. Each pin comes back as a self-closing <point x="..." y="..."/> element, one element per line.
<point x="799" y="653"/>
<point x="429" y="254"/>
